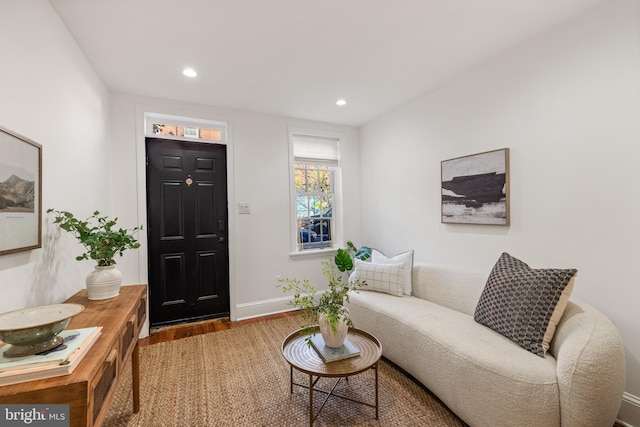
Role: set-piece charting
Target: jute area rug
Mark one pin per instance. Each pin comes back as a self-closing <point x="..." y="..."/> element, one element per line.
<point x="238" y="377"/>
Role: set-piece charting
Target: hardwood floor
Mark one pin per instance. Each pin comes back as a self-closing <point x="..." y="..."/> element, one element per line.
<point x="169" y="333"/>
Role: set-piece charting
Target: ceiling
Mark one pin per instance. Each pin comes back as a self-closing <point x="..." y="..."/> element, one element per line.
<point x="297" y="57"/>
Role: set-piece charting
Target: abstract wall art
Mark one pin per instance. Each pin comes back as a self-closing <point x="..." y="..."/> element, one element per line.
<point x="475" y="189"/>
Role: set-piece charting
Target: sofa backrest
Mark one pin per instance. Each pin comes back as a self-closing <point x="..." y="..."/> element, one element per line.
<point x="457" y="289"/>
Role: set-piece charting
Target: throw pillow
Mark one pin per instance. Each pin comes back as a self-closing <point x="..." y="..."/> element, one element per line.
<point x="385" y="278"/>
<point x="406" y="258"/>
<point x="524" y="304"/>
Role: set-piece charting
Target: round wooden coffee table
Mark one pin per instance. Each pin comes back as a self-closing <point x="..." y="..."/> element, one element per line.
<point x="304" y="358"/>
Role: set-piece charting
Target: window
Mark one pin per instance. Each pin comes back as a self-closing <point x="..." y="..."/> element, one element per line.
<point x="175" y="127"/>
<point x="314" y="203"/>
<point x="188" y="132"/>
<point x="316" y="190"/>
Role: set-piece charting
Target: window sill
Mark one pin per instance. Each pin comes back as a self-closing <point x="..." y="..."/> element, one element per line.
<point x="313" y="254"/>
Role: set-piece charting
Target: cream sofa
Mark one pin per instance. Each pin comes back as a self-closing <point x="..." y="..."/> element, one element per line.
<point x="485" y="378"/>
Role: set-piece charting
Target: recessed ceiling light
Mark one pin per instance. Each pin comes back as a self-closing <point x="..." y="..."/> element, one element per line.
<point x="189" y="72"/>
<point x="341" y="102"/>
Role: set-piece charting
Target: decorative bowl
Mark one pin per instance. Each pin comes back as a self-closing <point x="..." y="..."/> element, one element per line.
<point x="34" y="330"/>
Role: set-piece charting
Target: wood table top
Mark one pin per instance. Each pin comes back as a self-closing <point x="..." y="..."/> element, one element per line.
<point x="304" y="358"/>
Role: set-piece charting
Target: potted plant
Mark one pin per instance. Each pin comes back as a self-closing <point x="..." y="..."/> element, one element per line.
<point x="326" y="310"/>
<point x="102" y="242"/>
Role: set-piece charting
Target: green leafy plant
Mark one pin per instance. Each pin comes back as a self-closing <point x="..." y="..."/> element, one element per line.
<point x="98" y="235"/>
<point x="331" y="301"/>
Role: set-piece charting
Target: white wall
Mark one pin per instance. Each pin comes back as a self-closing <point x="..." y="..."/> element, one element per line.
<point x="258" y="169"/>
<point x="567" y="104"/>
<point x="50" y="94"/>
<point x="93" y="150"/>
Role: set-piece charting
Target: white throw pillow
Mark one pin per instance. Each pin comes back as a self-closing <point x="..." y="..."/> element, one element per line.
<point x="385" y="278"/>
<point x="406" y="258"/>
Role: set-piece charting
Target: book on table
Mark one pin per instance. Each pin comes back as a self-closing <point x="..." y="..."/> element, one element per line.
<point x="61" y="360"/>
<point x="332" y="354"/>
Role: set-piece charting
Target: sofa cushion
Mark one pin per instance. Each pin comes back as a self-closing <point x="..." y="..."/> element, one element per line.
<point x="405" y="257"/>
<point x="524" y="304"/>
<point x="387" y="278"/>
<point x="473" y="369"/>
<point x="448" y="286"/>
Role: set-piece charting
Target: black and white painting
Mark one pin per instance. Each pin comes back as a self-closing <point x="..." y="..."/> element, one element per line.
<point x="20" y="183"/>
<point x="475" y="189"/>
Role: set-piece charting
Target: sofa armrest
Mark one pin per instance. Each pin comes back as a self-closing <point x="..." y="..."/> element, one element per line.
<point x="590" y="367"/>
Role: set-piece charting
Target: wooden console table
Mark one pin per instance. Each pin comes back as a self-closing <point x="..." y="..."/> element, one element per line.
<point x="90" y="387"/>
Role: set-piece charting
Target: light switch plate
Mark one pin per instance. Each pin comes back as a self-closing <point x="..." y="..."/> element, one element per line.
<point x="244" y="208"/>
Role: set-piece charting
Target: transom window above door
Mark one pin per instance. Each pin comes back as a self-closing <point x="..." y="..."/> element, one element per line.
<point x="175" y="127"/>
<point x="189" y="132"/>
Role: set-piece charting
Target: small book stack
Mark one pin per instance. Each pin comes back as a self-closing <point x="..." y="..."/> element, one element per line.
<point x="331" y="354"/>
<point x="58" y="361"/>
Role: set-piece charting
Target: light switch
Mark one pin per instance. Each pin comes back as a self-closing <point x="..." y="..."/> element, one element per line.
<point x="244" y="208"/>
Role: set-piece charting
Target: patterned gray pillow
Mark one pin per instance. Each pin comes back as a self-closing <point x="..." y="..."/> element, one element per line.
<point x="524" y="304"/>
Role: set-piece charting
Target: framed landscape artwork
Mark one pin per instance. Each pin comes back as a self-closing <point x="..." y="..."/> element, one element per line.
<point x="475" y="189"/>
<point x="20" y="193"/>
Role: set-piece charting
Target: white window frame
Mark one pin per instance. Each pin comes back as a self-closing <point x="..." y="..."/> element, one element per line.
<point x="337" y="216"/>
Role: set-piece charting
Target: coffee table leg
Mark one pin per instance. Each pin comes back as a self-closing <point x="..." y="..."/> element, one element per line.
<point x="311" y="401"/>
<point x="376" y="369"/>
<point x="291" y="378"/>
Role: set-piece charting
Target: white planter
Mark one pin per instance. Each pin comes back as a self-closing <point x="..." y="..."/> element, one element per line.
<point x="333" y="339"/>
<point x="104" y="283"/>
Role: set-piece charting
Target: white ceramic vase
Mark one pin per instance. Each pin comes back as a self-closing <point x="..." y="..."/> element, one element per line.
<point x="333" y="339"/>
<point x="104" y="283"/>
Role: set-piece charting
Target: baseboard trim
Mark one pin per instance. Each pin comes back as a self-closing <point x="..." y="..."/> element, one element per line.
<point x="629" y="415"/>
<point x="263" y="308"/>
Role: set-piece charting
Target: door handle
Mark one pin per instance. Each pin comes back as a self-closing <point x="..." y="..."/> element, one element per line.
<point x="221" y="240"/>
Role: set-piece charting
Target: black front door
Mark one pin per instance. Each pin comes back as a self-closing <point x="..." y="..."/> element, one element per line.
<point x="187" y="231"/>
